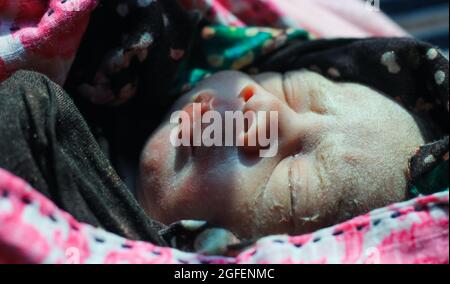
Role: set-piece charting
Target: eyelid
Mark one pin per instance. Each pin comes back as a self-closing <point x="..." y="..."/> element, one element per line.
<point x="287" y="91"/>
<point x="307" y="98"/>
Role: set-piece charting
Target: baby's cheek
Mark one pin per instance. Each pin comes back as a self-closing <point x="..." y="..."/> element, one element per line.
<point x="156" y="170"/>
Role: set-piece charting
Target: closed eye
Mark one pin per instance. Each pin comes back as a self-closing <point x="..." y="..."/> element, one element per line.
<point x="287" y="91"/>
<point x="304" y="96"/>
<point x="319" y="101"/>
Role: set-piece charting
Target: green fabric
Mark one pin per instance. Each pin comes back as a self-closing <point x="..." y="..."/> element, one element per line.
<point x="435" y="181"/>
<point x="231" y="48"/>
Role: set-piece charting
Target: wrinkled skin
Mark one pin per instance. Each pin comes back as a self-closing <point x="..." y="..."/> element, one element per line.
<point x="343" y="151"/>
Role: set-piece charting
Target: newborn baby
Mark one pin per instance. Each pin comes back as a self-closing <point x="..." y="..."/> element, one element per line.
<point x="343" y="151"/>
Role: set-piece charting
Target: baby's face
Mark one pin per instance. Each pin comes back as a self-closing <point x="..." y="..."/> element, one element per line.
<point x="343" y="150"/>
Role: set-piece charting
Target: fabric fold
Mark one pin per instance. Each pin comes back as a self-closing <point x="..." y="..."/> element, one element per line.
<point x="45" y="140"/>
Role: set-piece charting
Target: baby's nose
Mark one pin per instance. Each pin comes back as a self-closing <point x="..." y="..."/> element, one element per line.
<point x="291" y="127"/>
<point x="195" y="110"/>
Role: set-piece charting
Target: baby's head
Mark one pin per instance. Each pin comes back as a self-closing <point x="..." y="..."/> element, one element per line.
<point x="343" y="151"/>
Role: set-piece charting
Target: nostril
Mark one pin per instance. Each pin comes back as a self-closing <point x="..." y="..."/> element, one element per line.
<point x="206" y="102"/>
<point x="203" y="98"/>
<point x="247" y="93"/>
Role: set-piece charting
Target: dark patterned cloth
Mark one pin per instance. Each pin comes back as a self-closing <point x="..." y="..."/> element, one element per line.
<point x="131" y="45"/>
<point x="124" y="68"/>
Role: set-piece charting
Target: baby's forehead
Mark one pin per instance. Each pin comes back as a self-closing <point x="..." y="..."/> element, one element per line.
<point x="218" y="79"/>
<point x="227" y="81"/>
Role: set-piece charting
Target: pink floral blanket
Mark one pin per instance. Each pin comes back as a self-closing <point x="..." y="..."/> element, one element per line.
<point x="34" y="230"/>
<point x="44" y="35"/>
